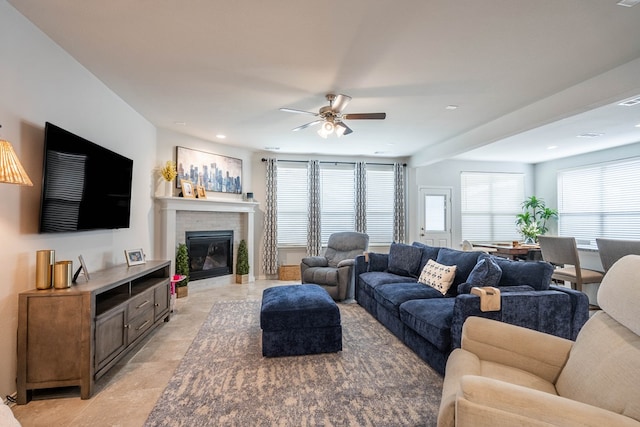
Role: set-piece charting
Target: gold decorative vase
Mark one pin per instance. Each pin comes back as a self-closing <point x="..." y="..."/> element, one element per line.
<point x="45" y="260"/>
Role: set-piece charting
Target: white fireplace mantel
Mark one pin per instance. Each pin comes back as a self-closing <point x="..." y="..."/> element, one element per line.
<point x="167" y="208"/>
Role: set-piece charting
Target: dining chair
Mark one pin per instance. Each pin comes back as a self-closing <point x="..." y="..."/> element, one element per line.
<point x="563" y="253"/>
<point x="468" y="246"/>
<point x="611" y="250"/>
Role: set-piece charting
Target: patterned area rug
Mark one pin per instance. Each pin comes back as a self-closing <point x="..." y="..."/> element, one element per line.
<point x="223" y="379"/>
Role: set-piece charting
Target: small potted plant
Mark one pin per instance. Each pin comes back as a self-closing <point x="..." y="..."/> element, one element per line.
<point x="242" y="263"/>
<point x="168" y="173"/>
<point x="182" y="269"/>
<point x="532" y="222"/>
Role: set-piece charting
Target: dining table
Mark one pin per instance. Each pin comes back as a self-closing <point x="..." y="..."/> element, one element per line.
<point x="514" y="250"/>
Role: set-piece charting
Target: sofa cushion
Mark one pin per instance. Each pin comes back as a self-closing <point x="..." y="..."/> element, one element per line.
<point x="392" y="295"/>
<point x="428" y="252"/>
<point x="438" y="276"/>
<point x="464" y="262"/>
<point x="404" y="259"/>
<point x="486" y="273"/>
<point x="536" y="274"/>
<point x="325" y="275"/>
<point x="372" y="279"/>
<point x="377" y="262"/>
<point x="431" y="319"/>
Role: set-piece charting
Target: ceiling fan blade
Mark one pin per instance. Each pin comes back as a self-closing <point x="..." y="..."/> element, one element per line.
<point x="315" y="122"/>
<point x="293" y="110"/>
<point x="339" y="102"/>
<point x="347" y="129"/>
<point x="364" y="116"/>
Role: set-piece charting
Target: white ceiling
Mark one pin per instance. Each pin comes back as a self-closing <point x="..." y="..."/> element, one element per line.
<point x="524" y="74"/>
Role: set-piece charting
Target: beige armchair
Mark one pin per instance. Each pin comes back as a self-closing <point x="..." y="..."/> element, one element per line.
<point x="334" y="270"/>
<point x="505" y="375"/>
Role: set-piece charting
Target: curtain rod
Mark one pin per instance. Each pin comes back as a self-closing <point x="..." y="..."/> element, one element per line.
<point x="336" y="163"/>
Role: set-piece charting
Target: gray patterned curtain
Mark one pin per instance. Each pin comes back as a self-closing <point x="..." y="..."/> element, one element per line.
<point x="314" y="238"/>
<point x="399" y="231"/>
<point x="361" y="197"/>
<point x="270" y="252"/>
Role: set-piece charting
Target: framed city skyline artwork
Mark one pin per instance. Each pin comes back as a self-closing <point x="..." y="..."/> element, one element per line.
<point x="214" y="172"/>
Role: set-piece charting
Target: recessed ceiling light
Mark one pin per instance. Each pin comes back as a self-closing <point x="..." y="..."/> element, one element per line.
<point x="180" y="123"/>
<point x="381" y="152"/>
<point x="221" y="136"/>
<point x="552" y="147"/>
<point x="272" y="148"/>
<point x="628" y="3"/>
<point x="454" y="107"/>
<point x="590" y="135"/>
<point x="638" y="125"/>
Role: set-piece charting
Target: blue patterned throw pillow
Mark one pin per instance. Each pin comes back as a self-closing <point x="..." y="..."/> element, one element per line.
<point x="486" y="273"/>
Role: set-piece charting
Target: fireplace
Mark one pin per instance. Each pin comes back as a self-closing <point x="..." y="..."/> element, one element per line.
<point x="210" y="253"/>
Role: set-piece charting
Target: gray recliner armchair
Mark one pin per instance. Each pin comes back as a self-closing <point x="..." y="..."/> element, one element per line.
<point x="334" y="270"/>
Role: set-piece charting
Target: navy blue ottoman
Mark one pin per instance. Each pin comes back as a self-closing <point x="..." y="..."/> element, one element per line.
<point x="299" y="319"/>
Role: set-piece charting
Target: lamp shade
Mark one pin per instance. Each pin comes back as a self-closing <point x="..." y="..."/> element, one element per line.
<point x="11" y="171"/>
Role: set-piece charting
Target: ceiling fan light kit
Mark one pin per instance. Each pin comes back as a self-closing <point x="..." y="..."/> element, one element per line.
<point x="332" y="118"/>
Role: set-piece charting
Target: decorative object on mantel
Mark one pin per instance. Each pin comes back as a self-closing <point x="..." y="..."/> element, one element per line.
<point x="532" y="222"/>
<point x="168" y="173"/>
<point x="187" y="189"/>
<point x="182" y="269"/>
<point x="213" y="171"/>
<point x="242" y="263"/>
<point x="11" y="170"/>
<point x="249" y="197"/>
<point x="200" y="192"/>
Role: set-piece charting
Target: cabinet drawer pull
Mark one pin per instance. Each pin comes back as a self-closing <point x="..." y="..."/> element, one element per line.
<point x="142" y="326"/>
<point x="126" y="326"/>
<point x="143" y="304"/>
<point x="156" y="305"/>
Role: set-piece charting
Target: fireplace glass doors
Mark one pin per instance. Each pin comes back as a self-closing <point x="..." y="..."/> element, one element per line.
<point x="210" y="253"/>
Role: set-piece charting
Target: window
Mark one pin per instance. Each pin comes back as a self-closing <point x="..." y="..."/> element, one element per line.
<point x="293" y="203"/>
<point x="380" y="198"/>
<point x="490" y="203"/>
<point x="337" y="199"/>
<point x="600" y="201"/>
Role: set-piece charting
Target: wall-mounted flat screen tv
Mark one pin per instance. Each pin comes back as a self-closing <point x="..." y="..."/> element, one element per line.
<point x="84" y="186"/>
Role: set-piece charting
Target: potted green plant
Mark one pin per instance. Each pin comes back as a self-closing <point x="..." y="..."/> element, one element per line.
<point x="182" y="269"/>
<point x="532" y="222"/>
<point x="242" y="263"/>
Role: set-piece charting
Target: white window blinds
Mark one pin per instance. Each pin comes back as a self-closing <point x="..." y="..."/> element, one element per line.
<point x="600" y="201"/>
<point x="293" y="203"/>
<point x="490" y="202"/>
<point x="380" y="197"/>
<point x="337" y="186"/>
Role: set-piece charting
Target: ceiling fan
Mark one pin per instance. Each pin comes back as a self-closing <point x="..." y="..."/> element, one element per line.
<point x="331" y="116"/>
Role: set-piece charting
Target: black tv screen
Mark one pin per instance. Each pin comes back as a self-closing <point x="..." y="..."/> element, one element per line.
<point x="84" y="186"/>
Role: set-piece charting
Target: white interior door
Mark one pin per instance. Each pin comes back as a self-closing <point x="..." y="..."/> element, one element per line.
<point x="435" y="216"/>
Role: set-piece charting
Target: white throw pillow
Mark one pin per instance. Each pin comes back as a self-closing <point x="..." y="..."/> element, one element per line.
<point x="438" y="276"/>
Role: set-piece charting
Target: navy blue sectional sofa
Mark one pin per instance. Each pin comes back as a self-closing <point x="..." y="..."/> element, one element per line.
<point x="430" y="323"/>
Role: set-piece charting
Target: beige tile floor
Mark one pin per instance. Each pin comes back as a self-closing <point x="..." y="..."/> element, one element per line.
<point x="126" y="395"/>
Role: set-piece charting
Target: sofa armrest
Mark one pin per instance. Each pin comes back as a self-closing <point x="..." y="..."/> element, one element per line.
<point x="541" y="354"/>
<point x="488" y="402"/>
<point x="315" y="261"/>
<point x="579" y="308"/>
<point x="346" y="263"/>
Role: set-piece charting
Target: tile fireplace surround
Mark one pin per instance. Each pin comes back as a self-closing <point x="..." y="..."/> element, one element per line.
<point x="167" y="209"/>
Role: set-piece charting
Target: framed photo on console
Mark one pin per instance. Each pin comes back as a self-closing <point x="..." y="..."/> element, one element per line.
<point x="134" y="256"/>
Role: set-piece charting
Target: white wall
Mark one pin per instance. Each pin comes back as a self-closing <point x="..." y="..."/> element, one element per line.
<point x="447" y="174"/>
<point x="40" y="82"/>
